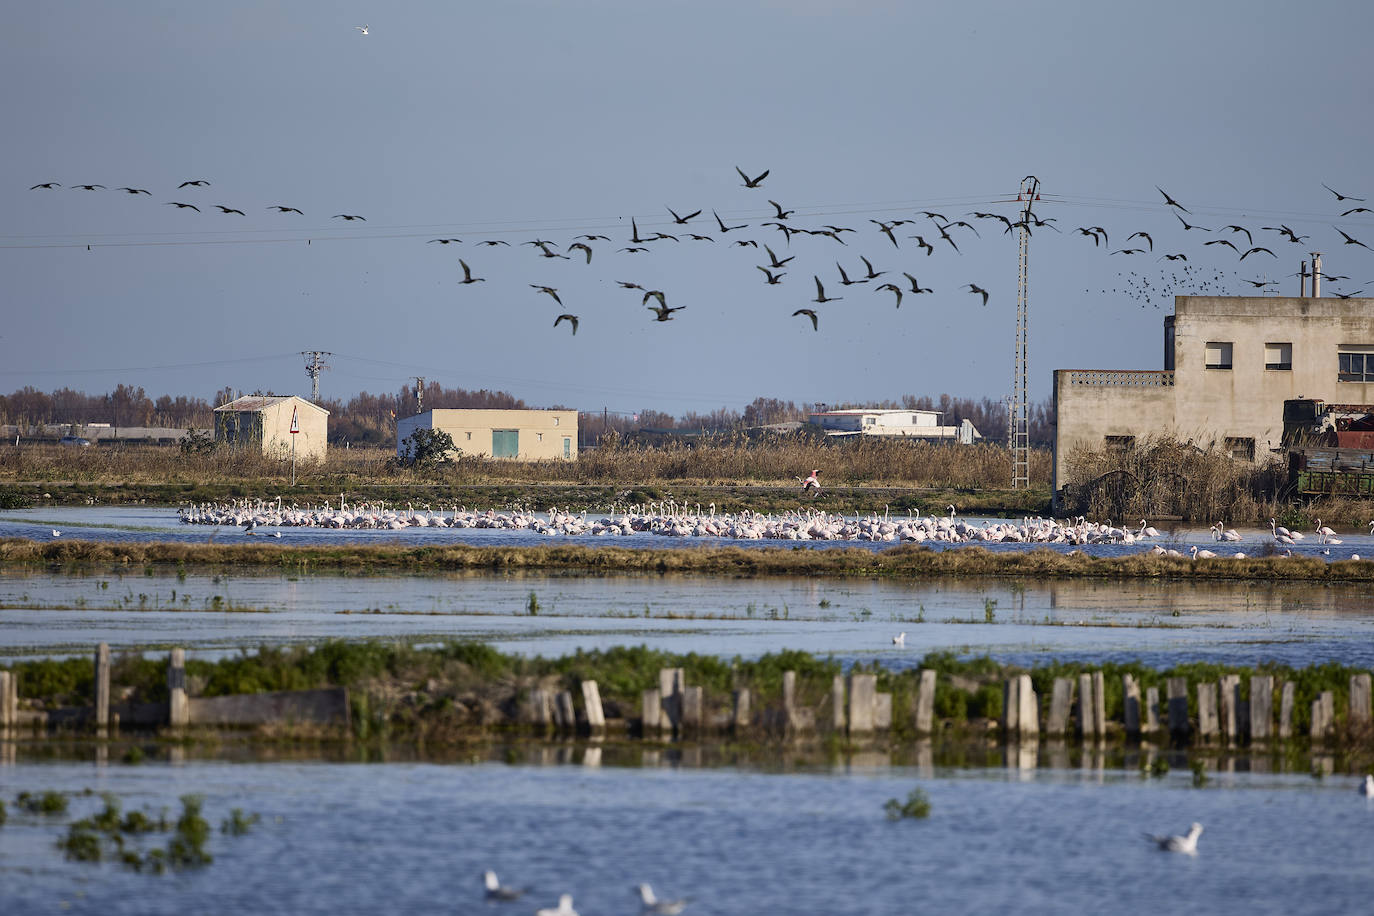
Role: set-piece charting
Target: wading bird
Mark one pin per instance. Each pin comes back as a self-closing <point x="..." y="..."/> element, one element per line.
<point x="547" y="290"/>
<point x="281" y="209"/>
<point x="181" y="206"/>
<point x="1339" y="195"/>
<point x="571" y="319"/>
<point x="752" y="182"/>
<point x="197" y="183"/>
<point x="682" y="220"/>
<point x="975" y="288"/>
<point x="349" y="217"/>
<point x="467" y="274"/>
<point x="820" y="293"/>
<point x="809" y="313"/>
<point x="48" y="185"/>
<point x="1170" y="201"/>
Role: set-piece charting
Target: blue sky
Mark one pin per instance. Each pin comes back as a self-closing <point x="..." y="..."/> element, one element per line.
<point x="521" y="120"/>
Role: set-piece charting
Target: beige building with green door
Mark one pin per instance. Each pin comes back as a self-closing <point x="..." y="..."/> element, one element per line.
<point x="527" y="435"/>
<point x="264" y="421"/>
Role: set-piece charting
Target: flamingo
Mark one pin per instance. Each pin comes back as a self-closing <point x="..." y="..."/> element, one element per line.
<point x="1202" y="554"/>
<point x="1147" y="531"/>
<point x="1323" y="532"/>
<point x="1281" y="535"/>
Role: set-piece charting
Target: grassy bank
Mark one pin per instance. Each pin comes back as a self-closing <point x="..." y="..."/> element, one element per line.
<point x="463" y="691"/>
<point x="900" y="562"/>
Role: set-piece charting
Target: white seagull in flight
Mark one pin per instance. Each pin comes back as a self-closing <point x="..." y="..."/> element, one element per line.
<point x="361" y="28"/>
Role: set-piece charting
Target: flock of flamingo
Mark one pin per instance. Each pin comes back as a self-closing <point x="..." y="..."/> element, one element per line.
<point x="673" y="519"/>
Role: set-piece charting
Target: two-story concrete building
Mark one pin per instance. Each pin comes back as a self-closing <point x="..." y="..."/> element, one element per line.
<point x="523" y="434"/>
<point x="1229" y="364"/>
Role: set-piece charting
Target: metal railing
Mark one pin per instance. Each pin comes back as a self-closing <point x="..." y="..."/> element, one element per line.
<point x="1121" y="378"/>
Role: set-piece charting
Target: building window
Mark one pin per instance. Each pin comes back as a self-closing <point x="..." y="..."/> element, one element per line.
<point x="1356" y="364"/>
<point x="567" y="446"/>
<point x="1218" y="354"/>
<point x="539" y="437"/>
<point x="1240" y="448"/>
<point x="469" y="436"/>
<point x="1278" y="356"/>
<point x="1120" y="443"/>
<point x="555" y="421"/>
<point x="869" y="421"/>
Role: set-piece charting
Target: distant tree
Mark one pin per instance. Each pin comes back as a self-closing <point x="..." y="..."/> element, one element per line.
<point x="427" y="447"/>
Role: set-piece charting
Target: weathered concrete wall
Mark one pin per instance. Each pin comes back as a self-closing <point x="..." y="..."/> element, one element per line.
<point x="1090" y="405"/>
<point x="327" y="705"/>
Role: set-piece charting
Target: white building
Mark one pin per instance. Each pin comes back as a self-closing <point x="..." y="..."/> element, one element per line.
<point x="265" y="422"/>
<point x="527" y="435"/>
<point x="915" y="424"/>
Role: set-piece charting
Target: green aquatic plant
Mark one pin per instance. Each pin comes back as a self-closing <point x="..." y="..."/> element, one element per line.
<point x="48" y="803"/>
<point x="917" y="805"/>
<point x="187" y="848"/>
<point x="238" y="823"/>
<point x="1159" y="768"/>
<point x="1199" y="769"/>
<point x="532" y="604"/>
<point x="989" y="610"/>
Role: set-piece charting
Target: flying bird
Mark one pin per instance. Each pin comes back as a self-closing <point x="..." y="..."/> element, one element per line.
<point x="492" y="243"/>
<point x="1261" y="284"/>
<point x="1187" y="226"/>
<point x="1227" y="242"/>
<point x="782" y="214"/>
<point x="181" y="206"/>
<point x="280" y="209"/>
<point x="809" y="313"/>
<point x="571" y="319"/>
<point x="587" y="249"/>
<point x="349" y="217"/>
<point x="773" y="279"/>
<point x="1249" y="239"/>
<point x="626" y="284"/>
<point x="886" y="229"/>
<point x="896" y="290"/>
<point x="844" y="277"/>
<point x="1257" y="249"/>
<point x="724" y="228"/>
<point x="553" y="293"/>
<point x="1351" y="241"/>
<point x="135" y="191"/>
<point x="682" y="220"/>
<point x="362" y="28"/>
<point x="197" y="183"/>
<point x="224" y="209"/>
<point x="745" y="243"/>
<point x="1170" y="201"/>
<point x="440" y="241"/>
<point x="664" y="313"/>
<point x="872" y="274"/>
<point x="632" y="249"/>
<point x="775" y="263"/>
<point x="1133" y="250"/>
<point x="1339" y="195"/>
<point x="1288" y="233"/>
<point x="595" y="238"/>
<point x="1142" y="235"/>
<point x="88" y="187"/>
<point x="699" y="238"/>
<point x="654" y="294"/>
<point x="975" y="288"/>
<point x="49" y="185"/>
<point x="752" y="182"/>
<point x="916" y="287"/>
<point x="922" y="243"/>
<point x="1357" y="210"/>
<point x="1174" y="257"/>
<point x="467" y="274"/>
<point x="820" y="293"/>
<point x="658" y="236"/>
<point x="931" y="214"/>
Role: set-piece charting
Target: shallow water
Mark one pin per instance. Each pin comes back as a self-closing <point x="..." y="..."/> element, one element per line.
<point x="414" y="838"/>
<point x="1160" y="623"/>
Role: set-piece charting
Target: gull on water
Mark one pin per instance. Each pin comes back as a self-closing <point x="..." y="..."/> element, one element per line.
<point x="56" y="533"/>
<point x="564" y="908"/>
<point x="496" y="892"/>
<point x="1367" y="787"/>
<point x="1186" y="844"/>
<point x="900" y="640"/>
<point x="651" y="903"/>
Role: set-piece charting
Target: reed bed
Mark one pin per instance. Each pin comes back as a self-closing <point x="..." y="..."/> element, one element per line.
<point x="900" y="562"/>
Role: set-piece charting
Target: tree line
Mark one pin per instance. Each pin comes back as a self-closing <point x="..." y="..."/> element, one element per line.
<point x="370" y="419"/>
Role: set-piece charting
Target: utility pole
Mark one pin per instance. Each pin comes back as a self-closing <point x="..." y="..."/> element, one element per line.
<point x="1019" y="421"/>
<point x="419" y="393"/>
<point x="314" y="365"/>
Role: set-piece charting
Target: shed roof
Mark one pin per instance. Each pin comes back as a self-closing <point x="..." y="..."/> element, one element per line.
<point x="252" y="403"/>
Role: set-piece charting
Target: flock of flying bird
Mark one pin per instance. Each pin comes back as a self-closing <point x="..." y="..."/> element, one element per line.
<point x="937" y="231"/>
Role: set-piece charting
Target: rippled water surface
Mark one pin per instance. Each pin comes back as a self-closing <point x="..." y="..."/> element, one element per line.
<point x="415" y="838"/>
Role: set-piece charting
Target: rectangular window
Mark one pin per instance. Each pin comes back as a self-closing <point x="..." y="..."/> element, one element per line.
<point x="539" y="437"/>
<point x="1120" y="443"/>
<point x="1278" y="356"/>
<point x="1240" y="448"/>
<point x="869" y="421"/>
<point x="505" y="443"/>
<point x="567" y="446"/>
<point x="469" y="436"/>
<point x="1218" y="354"/>
<point x="1356" y="363"/>
<point x="555" y="420"/>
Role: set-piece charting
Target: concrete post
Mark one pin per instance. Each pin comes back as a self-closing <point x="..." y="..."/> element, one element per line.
<point x="1227" y="688"/>
<point x="102" y="687"/>
<point x="1261" y="707"/>
<point x="178" y="709"/>
<point x="1323" y="716"/>
<point x="1100" y="704"/>
<point x="837" y="719"/>
<point x="1207" y="722"/>
<point x="882" y="711"/>
<point x="670" y="684"/>
<point x="8" y="704"/>
<point x="1028" y="718"/>
<point x="591" y="699"/>
<point x="1087" y="707"/>
<point x="1359" y="699"/>
<point x="650" y="711"/>
<point x="693" y="707"/>
<point x="1061" y="702"/>
<point x="1011" y="706"/>
<point x="1287" y="700"/>
<point x="1178" y="709"/>
<point x="563" y="713"/>
<point x="1151" y="710"/>
<point x="741" y="717"/>
<point x="1130" y="700"/>
<point x="863" y="689"/>
<point x="925" y="702"/>
<point x="789" y="700"/>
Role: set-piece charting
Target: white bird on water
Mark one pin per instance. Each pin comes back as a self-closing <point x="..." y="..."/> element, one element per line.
<point x="900" y="640"/>
<point x="56" y="533"/>
<point x="1186" y="844"/>
<point x="651" y="903"/>
<point x="564" y="908"/>
<point x="496" y="892"/>
<point x="1367" y="787"/>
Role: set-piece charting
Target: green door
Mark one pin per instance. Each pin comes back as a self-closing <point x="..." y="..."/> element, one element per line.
<point x="505" y="443"/>
<point x="567" y="446"/>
